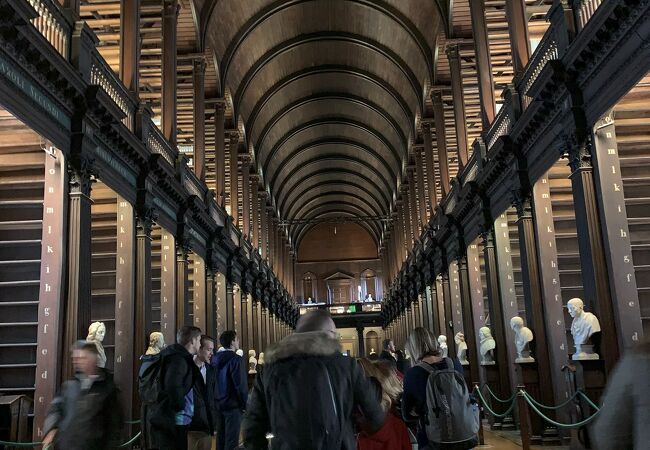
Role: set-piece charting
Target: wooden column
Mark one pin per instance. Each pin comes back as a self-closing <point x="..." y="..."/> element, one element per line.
<point x="533" y="298"/>
<point x="198" y="293"/>
<point x="447" y="302"/>
<point x="211" y="303"/>
<point x="168" y="287"/>
<point x="456" y="304"/>
<point x="245" y="340"/>
<point x="255" y="210"/>
<point x="264" y="333"/>
<point x="416" y="226"/>
<point x="419" y="175"/>
<point x="246" y="196"/>
<point x="616" y="236"/>
<point x="51" y="299"/>
<point x="222" y="308"/>
<point x="130" y="45"/>
<point x="518" y="30"/>
<point x="441" y="140"/>
<point x="271" y="222"/>
<point x="408" y="225"/>
<point x="496" y="312"/>
<point x="476" y="291"/>
<point x="126" y="355"/>
<point x="595" y="277"/>
<point x="168" y="94"/>
<point x="77" y="316"/>
<point x="255" y="330"/>
<point x="198" y="78"/>
<point x="264" y="225"/>
<point x="182" y="280"/>
<point x="144" y="222"/>
<point x="453" y="54"/>
<point x="483" y="63"/>
<point x="430" y="165"/>
<point x="435" y="312"/>
<point x="468" y="314"/>
<point x="220" y="150"/>
<point x="234" y="176"/>
<point x="230" y="306"/>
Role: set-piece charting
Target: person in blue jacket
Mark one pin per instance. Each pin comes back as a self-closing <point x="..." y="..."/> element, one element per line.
<point x="232" y="390"/>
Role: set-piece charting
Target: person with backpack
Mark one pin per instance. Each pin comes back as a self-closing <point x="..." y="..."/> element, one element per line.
<point x="172" y="412"/>
<point x="436" y="396"/>
<point x="232" y="390"/>
<point x="148" y="384"/>
<point x="307" y="392"/>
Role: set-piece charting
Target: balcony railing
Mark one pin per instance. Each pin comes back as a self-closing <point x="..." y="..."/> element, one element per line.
<point x="53" y="25"/>
<point x="501" y="126"/>
<point x="158" y="144"/>
<point x="583" y="10"/>
<point x="102" y="76"/>
<point x="343" y="308"/>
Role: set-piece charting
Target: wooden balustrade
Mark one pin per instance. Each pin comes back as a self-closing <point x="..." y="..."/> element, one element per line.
<point x="102" y="76"/>
<point x="53" y="25"/>
<point x="501" y="126"/>
<point x="583" y="10"/>
<point x="157" y="143"/>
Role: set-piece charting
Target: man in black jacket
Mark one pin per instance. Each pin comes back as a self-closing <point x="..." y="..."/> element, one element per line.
<point x="202" y="426"/>
<point x="388" y="352"/>
<point x="232" y="390"/>
<point x="86" y="415"/>
<point x="171" y="415"/>
<point x="307" y="393"/>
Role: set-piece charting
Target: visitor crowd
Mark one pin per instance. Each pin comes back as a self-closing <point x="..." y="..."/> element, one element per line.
<point x="307" y="395"/>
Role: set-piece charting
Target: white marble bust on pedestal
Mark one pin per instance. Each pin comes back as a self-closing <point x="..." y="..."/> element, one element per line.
<point x="252" y="361"/>
<point x="156" y="343"/>
<point x="96" y="334"/>
<point x="583" y="326"/>
<point x="523" y="335"/>
<point x="486" y="346"/>
<point x="461" y="347"/>
<point x="442" y="345"/>
<point x="260" y="361"/>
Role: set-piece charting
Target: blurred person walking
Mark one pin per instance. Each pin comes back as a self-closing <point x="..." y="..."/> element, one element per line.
<point x="202" y="427"/>
<point x="86" y="415"/>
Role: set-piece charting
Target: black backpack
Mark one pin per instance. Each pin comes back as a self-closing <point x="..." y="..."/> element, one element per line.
<point x="149" y="379"/>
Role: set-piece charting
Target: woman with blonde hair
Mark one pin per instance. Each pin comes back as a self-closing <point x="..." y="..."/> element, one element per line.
<point x="394" y="434"/>
<point x="422" y="347"/>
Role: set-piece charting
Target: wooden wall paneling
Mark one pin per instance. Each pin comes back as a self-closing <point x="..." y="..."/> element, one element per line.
<point x="126" y="354"/>
<point x="456" y="303"/>
<point x="46" y="350"/>
<point x="168" y="286"/>
<point x="183" y="310"/>
<point x="211" y="303"/>
<point x="221" y="303"/>
<point x="199" y="293"/>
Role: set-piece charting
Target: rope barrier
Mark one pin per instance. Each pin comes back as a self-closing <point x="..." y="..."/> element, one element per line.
<point x="493" y="395"/>
<point x="48" y="446"/>
<point x="560" y="406"/>
<point x="555" y="423"/>
<point x="489" y="410"/>
<point x="132" y="440"/>
<point x="20" y="444"/>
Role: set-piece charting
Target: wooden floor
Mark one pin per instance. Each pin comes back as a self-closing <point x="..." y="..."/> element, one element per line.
<point x="505" y="440"/>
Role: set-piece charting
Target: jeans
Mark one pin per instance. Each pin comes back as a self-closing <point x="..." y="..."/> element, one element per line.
<point x="228" y="429"/>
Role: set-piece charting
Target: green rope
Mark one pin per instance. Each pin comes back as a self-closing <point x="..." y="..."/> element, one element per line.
<point x="131" y="422"/>
<point x="132" y="440"/>
<point x="20" y="444"/>
<point x="555" y="423"/>
<point x="490" y="411"/>
<point x="553" y="408"/>
<point x="512" y="397"/>
<point x="591" y="403"/>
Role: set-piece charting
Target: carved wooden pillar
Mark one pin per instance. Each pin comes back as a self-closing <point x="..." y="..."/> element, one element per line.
<point x="453" y="54"/>
<point x="211" y="302"/>
<point x="220" y="150"/>
<point x="230" y="306"/>
<point x="533" y="297"/>
<point x="198" y="77"/>
<point x="264" y="225"/>
<point x="271" y="223"/>
<point x="234" y="176"/>
<point x="406" y="215"/>
<point x="246" y="198"/>
<point x="198" y="292"/>
<point x="518" y="29"/>
<point x="416" y="226"/>
<point x="595" y="277"/>
<point x="255" y="211"/>
<point x="435" y="311"/>
<point x="168" y="94"/>
<point x="245" y="329"/>
<point x="77" y="316"/>
<point x="421" y="194"/>
<point x="144" y="221"/>
<point x="496" y="311"/>
<point x="182" y="279"/>
<point x="130" y="45"/>
<point x="449" y="322"/>
<point x="483" y="64"/>
<point x="167" y="286"/>
<point x="441" y="140"/>
<point x="430" y="165"/>
<point x="468" y="314"/>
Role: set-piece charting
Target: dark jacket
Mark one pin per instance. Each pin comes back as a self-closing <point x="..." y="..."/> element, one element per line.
<point x="145" y="408"/>
<point x="386" y="356"/>
<point x="205" y="403"/>
<point x="232" y="386"/>
<point x="178" y="373"/>
<point x="86" y="419"/>
<point x="284" y="382"/>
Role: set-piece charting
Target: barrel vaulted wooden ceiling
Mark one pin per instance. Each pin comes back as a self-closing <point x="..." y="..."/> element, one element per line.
<point x="328" y="96"/>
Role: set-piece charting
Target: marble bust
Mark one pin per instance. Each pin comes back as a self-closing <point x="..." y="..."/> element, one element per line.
<point x="523" y="335"/>
<point x="486" y="346"/>
<point x="240" y="352"/>
<point x="96" y="334"/>
<point x="252" y="361"/>
<point x="461" y="347"/>
<point x="583" y="326"/>
<point x="260" y="361"/>
<point x="442" y="345"/>
<point x="156" y="343"/>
